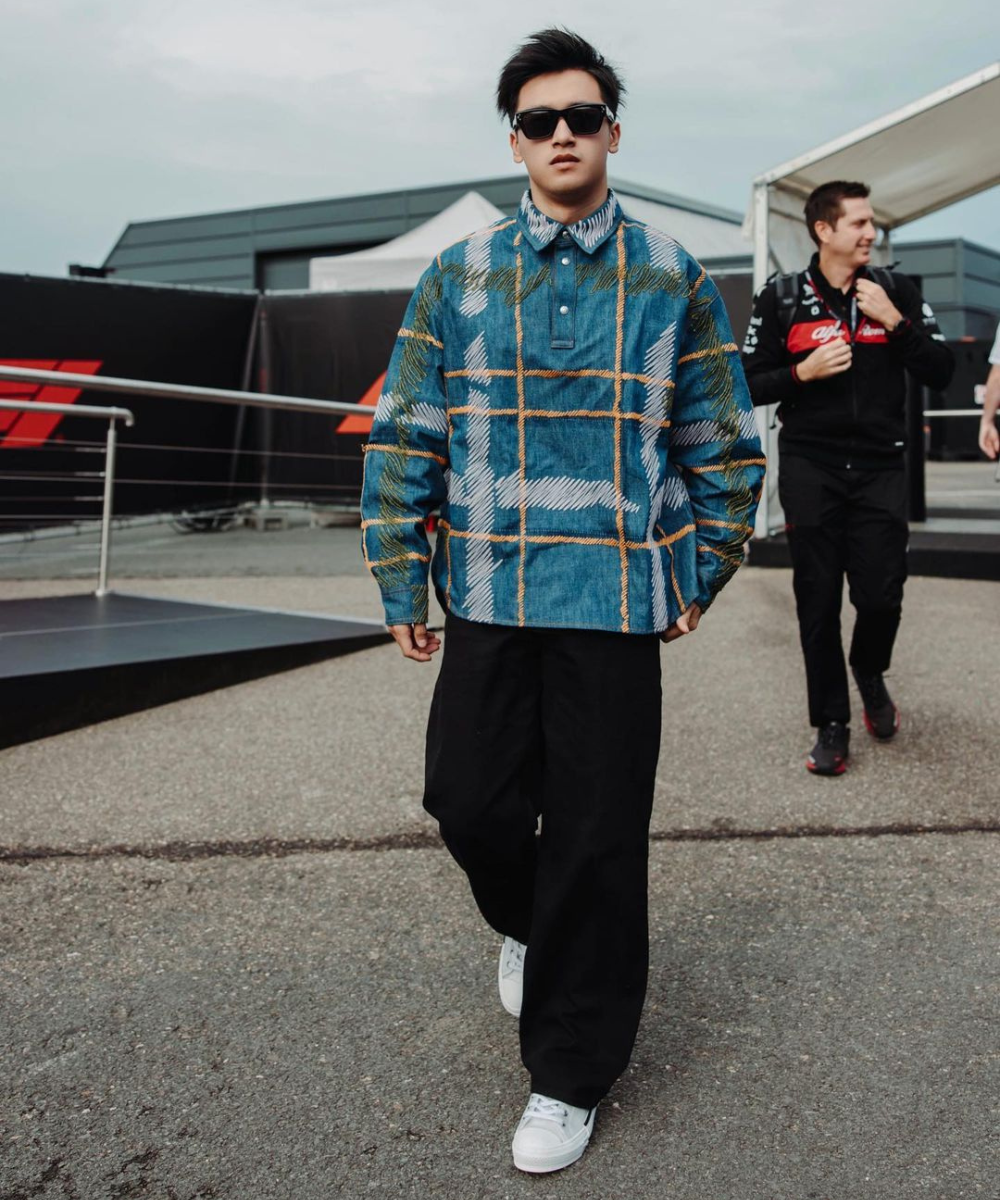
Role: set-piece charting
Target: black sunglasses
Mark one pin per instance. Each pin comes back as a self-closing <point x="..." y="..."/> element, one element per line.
<point x="537" y="123"/>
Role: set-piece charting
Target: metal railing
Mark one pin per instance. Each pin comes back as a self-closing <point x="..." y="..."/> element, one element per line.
<point x="173" y="391"/>
<point x="111" y="415"/>
<point x="953" y="412"/>
<point x="144" y="387"/>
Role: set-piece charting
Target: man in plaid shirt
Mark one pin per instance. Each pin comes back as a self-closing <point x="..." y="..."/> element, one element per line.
<point x="567" y="392"/>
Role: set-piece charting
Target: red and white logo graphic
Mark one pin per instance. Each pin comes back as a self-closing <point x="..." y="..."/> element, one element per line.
<point x="23" y="430"/>
<point x="871" y="331"/>
<point x="808" y="335"/>
<point x="355" y="423"/>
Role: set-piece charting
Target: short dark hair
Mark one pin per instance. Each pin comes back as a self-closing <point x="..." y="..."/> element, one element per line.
<point x="824" y="203"/>
<point x="554" y="50"/>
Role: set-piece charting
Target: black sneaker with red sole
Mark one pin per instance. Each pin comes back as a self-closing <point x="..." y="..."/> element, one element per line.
<point x="830" y="754"/>
<point x="881" y="715"/>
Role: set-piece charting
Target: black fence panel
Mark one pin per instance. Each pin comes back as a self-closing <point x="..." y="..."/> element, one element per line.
<point x="178" y="455"/>
<point x="323" y="346"/>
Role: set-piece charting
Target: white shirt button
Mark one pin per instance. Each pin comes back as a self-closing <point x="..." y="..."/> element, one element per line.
<point x="563" y="309"/>
<point x="565" y="262"/>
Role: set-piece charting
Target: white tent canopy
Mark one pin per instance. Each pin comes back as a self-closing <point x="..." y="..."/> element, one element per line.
<point x="917" y="160"/>
<point x="398" y="265"/>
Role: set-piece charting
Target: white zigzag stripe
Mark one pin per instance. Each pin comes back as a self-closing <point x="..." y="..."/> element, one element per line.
<point x="455" y="487"/>
<point x="662" y="249"/>
<point x="659" y="362"/>
<point x="560" y="492"/>
<point x="675" y="494"/>
<point x="539" y="225"/>
<point x="476" y="363"/>
<point x="477" y="264"/>
<point x="591" y="229"/>
<point x="748" y="425"/>
<point x="428" y="416"/>
<point x="386" y="403"/>
<point x="480" y="560"/>
<point x="698" y="433"/>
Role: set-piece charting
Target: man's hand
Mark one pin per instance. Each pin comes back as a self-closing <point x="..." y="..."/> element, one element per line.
<point x="989" y="438"/>
<point x="874" y="302"/>
<point x="687" y="622"/>
<point x="832" y="358"/>
<point x="415" y="641"/>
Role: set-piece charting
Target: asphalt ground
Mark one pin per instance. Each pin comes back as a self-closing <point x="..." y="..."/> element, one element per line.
<point x="237" y="963"/>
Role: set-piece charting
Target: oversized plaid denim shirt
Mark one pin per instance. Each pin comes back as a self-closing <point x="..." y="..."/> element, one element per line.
<point x="572" y="401"/>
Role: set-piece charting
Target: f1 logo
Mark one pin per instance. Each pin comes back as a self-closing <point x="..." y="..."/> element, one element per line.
<point x="24" y="430"/>
<point x="356" y="423"/>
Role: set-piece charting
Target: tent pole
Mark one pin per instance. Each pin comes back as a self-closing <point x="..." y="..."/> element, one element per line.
<point x="761" y="201"/>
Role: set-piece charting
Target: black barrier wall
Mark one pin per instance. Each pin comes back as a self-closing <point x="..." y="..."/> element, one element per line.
<point x="322" y="346"/>
<point x="188" y="456"/>
<point x="178" y="455"/>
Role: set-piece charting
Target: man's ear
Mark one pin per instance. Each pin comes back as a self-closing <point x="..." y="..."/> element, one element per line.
<point x="616" y="135"/>
<point x="824" y="231"/>
<point x="515" y="147"/>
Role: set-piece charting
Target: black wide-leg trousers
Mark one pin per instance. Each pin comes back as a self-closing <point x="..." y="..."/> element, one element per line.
<point x="565" y="723"/>
<point x="842" y="521"/>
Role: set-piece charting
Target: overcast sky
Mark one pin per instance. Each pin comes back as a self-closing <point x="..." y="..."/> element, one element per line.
<point x="121" y="110"/>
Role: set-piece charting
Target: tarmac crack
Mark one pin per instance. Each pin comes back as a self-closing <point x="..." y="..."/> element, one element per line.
<point x="426" y="839"/>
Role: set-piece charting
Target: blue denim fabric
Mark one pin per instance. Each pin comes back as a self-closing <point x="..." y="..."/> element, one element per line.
<point x="572" y="401"/>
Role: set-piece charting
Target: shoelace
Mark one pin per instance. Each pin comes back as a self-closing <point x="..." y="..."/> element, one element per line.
<point x="544" y="1109"/>
<point x="831" y="736"/>
<point x="514" y="960"/>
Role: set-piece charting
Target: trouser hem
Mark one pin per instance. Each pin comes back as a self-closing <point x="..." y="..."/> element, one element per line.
<point x="577" y="1097"/>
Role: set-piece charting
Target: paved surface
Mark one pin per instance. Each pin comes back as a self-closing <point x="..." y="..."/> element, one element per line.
<point x="237" y="964"/>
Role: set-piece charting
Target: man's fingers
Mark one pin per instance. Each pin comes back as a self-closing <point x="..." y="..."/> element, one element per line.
<point x="686" y="623"/>
<point x="833" y="358"/>
<point x="408" y="639"/>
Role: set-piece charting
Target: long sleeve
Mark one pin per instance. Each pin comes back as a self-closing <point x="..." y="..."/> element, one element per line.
<point x="765" y="359"/>
<point x="714" y="440"/>
<point x="406" y="458"/>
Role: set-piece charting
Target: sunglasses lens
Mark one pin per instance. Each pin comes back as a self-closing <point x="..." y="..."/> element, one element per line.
<point x="586" y="118"/>
<point x="538" y="124"/>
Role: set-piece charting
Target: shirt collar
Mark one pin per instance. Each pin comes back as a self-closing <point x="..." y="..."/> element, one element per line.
<point x="589" y="232"/>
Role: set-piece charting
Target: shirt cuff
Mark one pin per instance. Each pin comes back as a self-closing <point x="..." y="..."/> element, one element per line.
<point x="407" y="606"/>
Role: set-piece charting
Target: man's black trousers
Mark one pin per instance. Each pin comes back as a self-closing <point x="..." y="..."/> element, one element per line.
<point x="842" y="521"/>
<point x="565" y="723"/>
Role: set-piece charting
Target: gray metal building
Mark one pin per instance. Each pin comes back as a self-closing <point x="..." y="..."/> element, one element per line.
<point x="961" y="282"/>
<point x="270" y="247"/>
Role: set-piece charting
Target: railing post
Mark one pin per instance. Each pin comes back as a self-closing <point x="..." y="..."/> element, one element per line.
<point x="109" y="487"/>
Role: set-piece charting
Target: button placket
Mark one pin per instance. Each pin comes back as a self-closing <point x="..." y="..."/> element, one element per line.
<point x="564" y="293"/>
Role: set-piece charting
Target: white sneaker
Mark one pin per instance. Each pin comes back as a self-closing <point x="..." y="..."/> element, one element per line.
<point x="510" y="975"/>
<point x="551" y="1134"/>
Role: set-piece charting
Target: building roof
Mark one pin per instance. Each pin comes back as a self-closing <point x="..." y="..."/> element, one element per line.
<point x="230" y="248"/>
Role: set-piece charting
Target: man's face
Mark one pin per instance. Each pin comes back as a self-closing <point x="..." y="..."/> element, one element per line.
<point x="565" y="166"/>
<point x="850" y="241"/>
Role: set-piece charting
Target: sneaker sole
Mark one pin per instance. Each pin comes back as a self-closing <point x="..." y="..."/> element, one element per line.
<point x="508" y="1005"/>
<point x="839" y="769"/>
<point x="565" y="1156"/>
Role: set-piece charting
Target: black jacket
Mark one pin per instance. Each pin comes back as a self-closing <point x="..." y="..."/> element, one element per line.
<point x="856" y="418"/>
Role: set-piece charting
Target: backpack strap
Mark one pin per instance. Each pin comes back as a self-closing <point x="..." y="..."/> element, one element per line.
<point x="787" y="289"/>
<point x="884" y="278"/>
